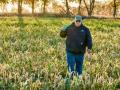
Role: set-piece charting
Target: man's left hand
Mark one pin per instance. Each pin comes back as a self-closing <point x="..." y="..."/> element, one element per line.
<point x="89" y="54"/>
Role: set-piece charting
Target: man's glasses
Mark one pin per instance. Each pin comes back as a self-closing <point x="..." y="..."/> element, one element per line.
<point x="78" y="20"/>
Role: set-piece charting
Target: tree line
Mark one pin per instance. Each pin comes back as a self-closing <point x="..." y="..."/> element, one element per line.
<point x="89" y="5"/>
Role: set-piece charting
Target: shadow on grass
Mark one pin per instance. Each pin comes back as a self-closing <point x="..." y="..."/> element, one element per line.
<point x="21" y="23"/>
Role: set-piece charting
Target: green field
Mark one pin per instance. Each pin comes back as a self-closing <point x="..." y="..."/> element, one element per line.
<point x="32" y="55"/>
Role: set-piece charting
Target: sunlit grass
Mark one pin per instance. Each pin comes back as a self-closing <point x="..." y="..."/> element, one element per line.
<point x="32" y="55"/>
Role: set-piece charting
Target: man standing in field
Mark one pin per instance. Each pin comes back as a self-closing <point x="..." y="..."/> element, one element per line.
<point x="78" y="41"/>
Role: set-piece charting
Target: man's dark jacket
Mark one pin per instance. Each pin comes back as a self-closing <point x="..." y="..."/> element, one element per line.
<point x="77" y="38"/>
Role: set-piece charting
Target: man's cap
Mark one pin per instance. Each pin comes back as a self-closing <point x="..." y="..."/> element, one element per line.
<point x="78" y="17"/>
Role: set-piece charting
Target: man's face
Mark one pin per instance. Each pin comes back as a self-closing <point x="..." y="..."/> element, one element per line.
<point x="77" y="23"/>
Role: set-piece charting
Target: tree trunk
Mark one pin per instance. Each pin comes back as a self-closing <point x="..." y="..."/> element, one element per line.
<point x="2" y="7"/>
<point x="33" y="2"/>
<point x="90" y="7"/>
<point x="79" y="13"/>
<point x="86" y="7"/>
<point x="3" y="4"/>
<point x="114" y="8"/>
<point x="67" y="8"/>
<point x="44" y="7"/>
<point x="19" y="7"/>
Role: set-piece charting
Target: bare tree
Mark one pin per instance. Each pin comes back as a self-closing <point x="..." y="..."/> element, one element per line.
<point x="20" y="7"/>
<point x="33" y="5"/>
<point x="89" y="7"/>
<point x="3" y="2"/>
<point x="45" y="2"/>
<point x="79" y="6"/>
<point x="116" y="4"/>
<point x="67" y="7"/>
<point x="114" y="8"/>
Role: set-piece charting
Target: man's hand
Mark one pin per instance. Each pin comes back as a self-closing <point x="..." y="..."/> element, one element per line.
<point x="89" y="54"/>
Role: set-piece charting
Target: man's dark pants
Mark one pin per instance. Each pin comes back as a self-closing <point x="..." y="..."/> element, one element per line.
<point x="75" y="62"/>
